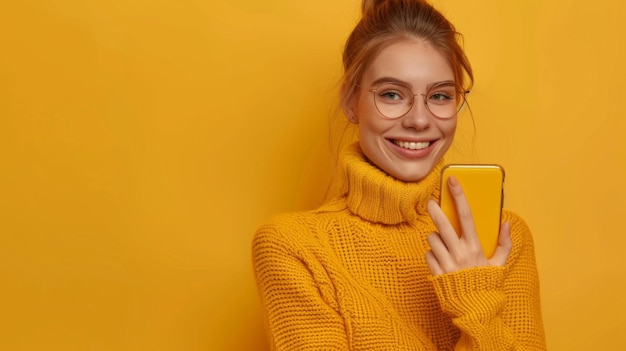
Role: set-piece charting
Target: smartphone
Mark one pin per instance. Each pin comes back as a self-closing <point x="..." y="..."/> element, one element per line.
<point x="483" y="185"/>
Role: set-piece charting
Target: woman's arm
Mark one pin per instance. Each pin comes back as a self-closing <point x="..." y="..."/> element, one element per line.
<point x="302" y="313"/>
<point x="497" y="308"/>
<point x="495" y="302"/>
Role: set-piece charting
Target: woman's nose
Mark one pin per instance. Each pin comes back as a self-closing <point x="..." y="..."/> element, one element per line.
<point x="418" y="117"/>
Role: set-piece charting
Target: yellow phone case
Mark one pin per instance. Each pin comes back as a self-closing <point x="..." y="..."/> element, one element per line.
<point x="483" y="186"/>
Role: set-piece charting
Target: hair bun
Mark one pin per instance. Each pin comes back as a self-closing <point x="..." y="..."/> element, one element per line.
<point x="369" y="5"/>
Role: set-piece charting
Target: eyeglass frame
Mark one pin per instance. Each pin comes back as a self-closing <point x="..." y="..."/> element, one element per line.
<point x="461" y="92"/>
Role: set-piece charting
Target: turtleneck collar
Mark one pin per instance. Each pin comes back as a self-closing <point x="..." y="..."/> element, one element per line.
<point x="378" y="197"/>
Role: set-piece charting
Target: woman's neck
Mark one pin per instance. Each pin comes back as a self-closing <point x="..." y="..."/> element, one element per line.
<point x="378" y="197"/>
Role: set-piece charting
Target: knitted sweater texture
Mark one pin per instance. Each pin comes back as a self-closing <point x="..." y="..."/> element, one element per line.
<point x="352" y="275"/>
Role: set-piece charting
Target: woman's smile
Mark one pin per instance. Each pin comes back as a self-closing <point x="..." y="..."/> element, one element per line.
<point x="407" y="147"/>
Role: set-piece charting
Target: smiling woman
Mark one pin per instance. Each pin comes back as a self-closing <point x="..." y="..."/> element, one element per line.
<point x="408" y="146"/>
<point x="379" y="267"/>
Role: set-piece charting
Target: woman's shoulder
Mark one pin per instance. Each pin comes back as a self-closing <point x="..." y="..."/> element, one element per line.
<point x="296" y="228"/>
<point x="287" y="222"/>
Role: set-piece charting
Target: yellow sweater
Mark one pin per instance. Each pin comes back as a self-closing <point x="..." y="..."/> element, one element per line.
<point x="352" y="275"/>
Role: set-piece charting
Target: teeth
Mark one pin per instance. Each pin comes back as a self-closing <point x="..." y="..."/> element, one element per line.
<point x="412" y="145"/>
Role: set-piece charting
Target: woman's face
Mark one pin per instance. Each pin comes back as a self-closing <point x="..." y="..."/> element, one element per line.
<point x="408" y="147"/>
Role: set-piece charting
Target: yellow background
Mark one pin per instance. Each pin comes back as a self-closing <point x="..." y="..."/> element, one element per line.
<point x="142" y="142"/>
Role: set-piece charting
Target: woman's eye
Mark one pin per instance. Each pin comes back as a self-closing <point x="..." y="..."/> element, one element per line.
<point x="441" y="97"/>
<point x="391" y="95"/>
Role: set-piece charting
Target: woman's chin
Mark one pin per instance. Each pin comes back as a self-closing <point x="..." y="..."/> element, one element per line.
<point x="410" y="174"/>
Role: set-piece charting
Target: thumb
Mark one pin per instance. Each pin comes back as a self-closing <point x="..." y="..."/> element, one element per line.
<point x="504" y="246"/>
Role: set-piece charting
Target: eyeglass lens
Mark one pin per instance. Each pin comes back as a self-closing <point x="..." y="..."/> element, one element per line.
<point x="394" y="100"/>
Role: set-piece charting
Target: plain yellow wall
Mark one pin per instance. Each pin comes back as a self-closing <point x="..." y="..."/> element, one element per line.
<point x="142" y="142"/>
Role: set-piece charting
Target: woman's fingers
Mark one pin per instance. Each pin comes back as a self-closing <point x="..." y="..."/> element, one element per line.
<point x="433" y="264"/>
<point x="449" y="252"/>
<point x="440" y="252"/>
<point x="464" y="212"/>
<point x="446" y="231"/>
<point x="505" y="244"/>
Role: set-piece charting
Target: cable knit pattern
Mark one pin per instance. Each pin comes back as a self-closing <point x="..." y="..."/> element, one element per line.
<point x="352" y="275"/>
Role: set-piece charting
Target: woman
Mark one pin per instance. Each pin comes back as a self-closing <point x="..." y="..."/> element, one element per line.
<point x="378" y="268"/>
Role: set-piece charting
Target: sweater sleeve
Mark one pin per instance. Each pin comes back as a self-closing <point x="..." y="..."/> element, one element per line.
<point x="301" y="310"/>
<point x="497" y="308"/>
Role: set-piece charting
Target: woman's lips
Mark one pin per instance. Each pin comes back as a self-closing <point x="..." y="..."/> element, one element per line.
<point x="412" y="149"/>
<point x="412" y="145"/>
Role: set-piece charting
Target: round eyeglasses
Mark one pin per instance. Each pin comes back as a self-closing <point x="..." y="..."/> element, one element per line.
<point x="443" y="100"/>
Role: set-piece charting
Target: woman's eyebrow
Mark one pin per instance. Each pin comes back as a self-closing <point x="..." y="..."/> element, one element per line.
<point x="407" y="84"/>
<point x="443" y="82"/>
<point x="390" y="80"/>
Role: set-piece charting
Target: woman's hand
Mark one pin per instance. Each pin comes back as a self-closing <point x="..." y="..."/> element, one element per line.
<point x="449" y="252"/>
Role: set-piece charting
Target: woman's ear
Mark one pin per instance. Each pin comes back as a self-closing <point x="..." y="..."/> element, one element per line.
<point x="349" y="109"/>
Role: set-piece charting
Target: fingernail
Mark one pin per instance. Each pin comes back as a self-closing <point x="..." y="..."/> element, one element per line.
<point x="506" y="226"/>
<point x="452" y="181"/>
